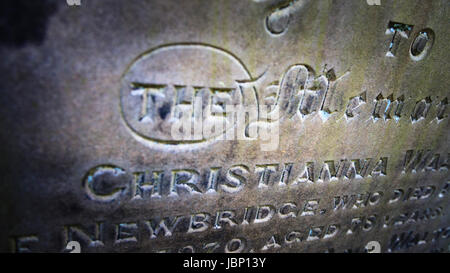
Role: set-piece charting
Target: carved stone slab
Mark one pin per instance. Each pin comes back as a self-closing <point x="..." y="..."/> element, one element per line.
<point x="338" y="140"/>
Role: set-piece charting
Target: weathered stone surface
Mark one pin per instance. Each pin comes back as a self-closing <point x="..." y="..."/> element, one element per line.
<point x="88" y="103"/>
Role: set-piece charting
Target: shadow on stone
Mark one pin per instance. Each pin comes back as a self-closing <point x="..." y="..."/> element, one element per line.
<point x="24" y="22"/>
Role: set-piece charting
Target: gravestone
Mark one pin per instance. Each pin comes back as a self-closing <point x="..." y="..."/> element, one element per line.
<point x="225" y="126"/>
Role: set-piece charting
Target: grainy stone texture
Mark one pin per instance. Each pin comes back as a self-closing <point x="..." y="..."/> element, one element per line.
<point x="366" y="122"/>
